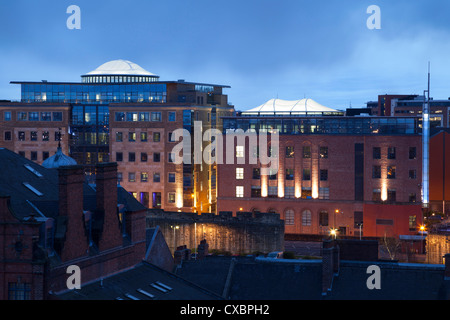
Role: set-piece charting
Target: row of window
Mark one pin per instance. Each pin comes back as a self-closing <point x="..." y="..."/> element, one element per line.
<point x="132" y="136"/>
<point x="289" y="192"/>
<point x="392" y="153"/>
<point x="34" y="155"/>
<point x="34" y="116"/>
<point x="391" y="172"/>
<point x="144" y="177"/>
<point x="144" y="157"/>
<point x="21" y="136"/>
<point x="155" y="116"/>
<point x="289" y="174"/>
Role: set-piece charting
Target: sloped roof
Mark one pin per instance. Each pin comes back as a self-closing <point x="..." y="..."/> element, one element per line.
<point x="279" y="105"/>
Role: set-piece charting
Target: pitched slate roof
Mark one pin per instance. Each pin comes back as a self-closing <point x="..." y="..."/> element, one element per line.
<point x="143" y="282"/>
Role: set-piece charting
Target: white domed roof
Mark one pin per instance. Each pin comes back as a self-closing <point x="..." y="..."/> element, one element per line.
<point x="58" y="159"/>
<point x="120" y="67"/>
<point x="281" y="106"/>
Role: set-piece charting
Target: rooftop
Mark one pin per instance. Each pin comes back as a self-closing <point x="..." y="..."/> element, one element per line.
<point x="120" y="67"/>
<point x="279" y="106"/>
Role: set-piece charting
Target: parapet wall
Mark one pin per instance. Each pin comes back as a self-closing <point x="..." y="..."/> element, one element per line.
<point x="241" y="233"/>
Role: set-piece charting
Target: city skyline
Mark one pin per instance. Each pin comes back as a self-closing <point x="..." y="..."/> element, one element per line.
<point x="287" y="50"/>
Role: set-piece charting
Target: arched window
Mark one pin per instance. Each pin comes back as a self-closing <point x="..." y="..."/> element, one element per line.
<point x="255" y="210"/>
<point x="289" y="217"/>
<point x="306" y="218"/>
<point x="271" y="210"/>
<point x="323" y="218"/>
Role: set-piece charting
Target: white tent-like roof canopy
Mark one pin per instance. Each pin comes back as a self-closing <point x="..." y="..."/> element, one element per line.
<point x="274" y="106"/>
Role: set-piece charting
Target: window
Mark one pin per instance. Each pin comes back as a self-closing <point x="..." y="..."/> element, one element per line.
<point x="45" y="136"/>
<point x="323" y="152"/>
<point x="7" y="116"/>
<point x="412" y="153"/>
<point x="144" y="157"/>
<point x="33" y="155"/>
<point x="119" y="156"/>
<point x="57" y="136"/>
<point x="306" y="152"/>
<point x="33" y="116"/>
<point x="324" y="193"/>
<point x="391" y="172"/>
<point x="358" y="219"/>
<point x="323" y="218"/>
<point x="22" y="153"/>
<point x="273" y="174"/>
<point x="391" y="153"/>
<point x="8" y="136"/>
<point x="171" y="116"/>
<point x="119" y="177"/>
<point x="412" y="174"/>
<point x="156" y="137"/>
<point x="272" y="191"/>
<point x="289" y="174"/>
<point x="120" y="116"/>
<point x="46" y="116"/>
<point x="239" y="191"/>
<point x="376" y="172"/>
<point x="144" y="136"/>
<point x="45" y="155"/>
<point x="33" y="135"/>
<point x="119" y="137"/>
<point x="21" y="116"/>
<point x="256" y="173"/>
<point x="144" y="198"/>
<point x="376" y="152"/>
<point x="156" y="157"/>
<point x="289" y="192"/>
<point x="156" y="177"/>
<point x="412" y="223"/>
<point x="144" y="116"/>
<point x="132" y="116"/>
<point x="171" y="177"/>
<point x="239" y="151"/>
<point x="306" y="193"/>
<point x="144" y="176"/>
<point x="171" y="197"/>
<point x="132" y="136"/>
<point x="391" y="195"/>
<point x="19" y="291"/>
<point x="57" y="116"/>
<point x="289" y="217"/>
<point x="306" y="174"/>
<point x="171" y="157"/>
<point x="289" y="152"/>
<point x="156" y="116"/>
<point x="376" y="195"/>
<point x="256" y="192"/>
<point x="412" y="197"/>
<point x="306" y="218"/>
<point x="21" y="136"/>
<point x="131" y="157"/>
<point x="131" y="177"/>
<point x="323" y="175"/>
<point x="171" y="137"/>
<point x="239" y="173"/>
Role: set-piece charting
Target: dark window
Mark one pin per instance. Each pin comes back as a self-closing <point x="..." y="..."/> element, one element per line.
<point x="256" y="173"/>
<point x="289" y="174"/>
<point x="21" y="136"/>
<point x="156" y="177"/>
<point x="33" y="135"/>
<point x="156" y="200"/>
<point x="412" y="153"/>
<point x="57" y="116"/>
<point x="376" y="152"/>
<point x="46" y="116"/>
<point x="412" y="197"/>
<point x="172" y="115"/>
<point x="391" y="153"/>
<point x="376" y="172"/>
<point x="359" y="172"/>
<point x="412" y="174"/>
<point x="323" y="175"/>
<point x="33" y="155"/>
<point x="385" y="222"/>
<point x="306" y="174"/>
<point x="391" y="195"/>
<point x="22" y="153"/>
<point x="256" y="192"/>
<point x="323" y="152"/>
<point x="45" y="136"/>
<point x="307" y="152"/>
<point x="119" y="137"/>
<point x="376" y="195"/>
<point x="8" y="136"/>
<point x="19" y="291"/>
<point x="273" y="175"/>
<point x="33" y="116"/>
<point x="144" y="157"/>
<point x="323" y="218"/>
<point x="131" y="177"/>
<point x="45" y="155"/>
<point x="119" y="156"/>
<point x="156" y="137"/>
<point x="156" y="157"/>
<point x="131" y="157"/>
<point x="171" y="177"/>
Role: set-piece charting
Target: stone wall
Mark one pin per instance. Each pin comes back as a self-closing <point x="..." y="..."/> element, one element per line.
<point x="242" y="233"/>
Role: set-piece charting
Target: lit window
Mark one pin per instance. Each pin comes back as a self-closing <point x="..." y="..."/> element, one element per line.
<point x="391" y="172"/>
<point x="289" y="152"/>
<point x="171" y="197"/>
<point x="144" y="176"/>
<point x="239" y="192"/>
<point x="239" y="173"/>
<point x="289" y="217"/>
<point x="306" y="218"/>
<point x="239" y="151"/>
<point x="323" y="152"/>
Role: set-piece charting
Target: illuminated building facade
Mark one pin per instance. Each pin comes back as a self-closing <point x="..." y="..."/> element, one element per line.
<point x="120" y="112"/>
<point x="333" y="172"/>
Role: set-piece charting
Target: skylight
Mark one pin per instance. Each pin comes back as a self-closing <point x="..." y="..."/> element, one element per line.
<point x="145" y="293"/>
<point x="157" y="287"/>
<point x="131" y="296"/>
<point x="33" y="170"/>
<point x="34" y="190"/>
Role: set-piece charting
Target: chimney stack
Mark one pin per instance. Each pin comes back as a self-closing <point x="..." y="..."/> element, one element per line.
<point x="70" y="183"/>
<point x="106" y="188"/>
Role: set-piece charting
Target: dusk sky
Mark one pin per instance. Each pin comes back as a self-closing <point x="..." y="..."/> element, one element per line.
<point x="263" y="49"/>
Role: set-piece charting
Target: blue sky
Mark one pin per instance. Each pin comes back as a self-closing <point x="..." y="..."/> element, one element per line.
<point x="263" y="49"/>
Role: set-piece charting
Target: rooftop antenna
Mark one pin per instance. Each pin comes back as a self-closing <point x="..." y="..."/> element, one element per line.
<point x="426" y="143"/>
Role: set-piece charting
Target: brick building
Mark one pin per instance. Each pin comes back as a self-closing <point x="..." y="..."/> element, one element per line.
<point x="333" y="171"/>
<point x="121" y="112"/>
<point x="51" y="219"/>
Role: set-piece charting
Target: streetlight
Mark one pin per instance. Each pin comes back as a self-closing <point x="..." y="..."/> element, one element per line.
<point x="333" y="232"/>
<point x="422" y="229"/>
<point x="174" y="243"/>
